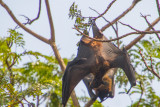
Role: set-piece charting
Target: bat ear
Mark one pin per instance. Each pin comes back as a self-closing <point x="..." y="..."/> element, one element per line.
<point x="72" y="76"/>
<point x="96" y="32"/>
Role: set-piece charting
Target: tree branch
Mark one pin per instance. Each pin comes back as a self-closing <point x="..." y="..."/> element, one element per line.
<point x="141" y="94"/>
<point x="21" y="25"/>
<point x="109" y="6"/>
<point x="50" y="21"/>
<point x="52" y="40"/>
<point x="29" y="21"/>
<point x="38" y="101"/>
<point x="145" y="17"/>
<point x="116" y="32"/>
<point x="120" y="16"/>
<point x="56" y="52"/>
<point x="38" y="15"/>
<point x="158" y="7"/>
<point x="125" y="35"/>
<point x="150" y="69"/>
<point x="129" y="26"/>
<point x="132" y="43"/>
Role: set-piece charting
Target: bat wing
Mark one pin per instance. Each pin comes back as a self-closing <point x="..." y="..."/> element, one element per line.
<point x="82" y="65"/>
<point x="87" y="81"/>
<point x="75" y="71"/>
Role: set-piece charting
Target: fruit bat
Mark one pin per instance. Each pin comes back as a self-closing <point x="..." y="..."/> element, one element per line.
<point x="95" y="57"/>
<point x="107" y="87"/>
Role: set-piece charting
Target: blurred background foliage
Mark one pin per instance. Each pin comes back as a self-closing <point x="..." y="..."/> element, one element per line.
<point x="39" y="80"/>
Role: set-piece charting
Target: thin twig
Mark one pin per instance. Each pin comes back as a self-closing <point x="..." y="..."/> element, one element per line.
<point x="120" y="16"/>
<point x="116" y="32"/>
<point x="158" y="7"/>
<point x="27" y="100"/>
<point x="141" y="94"/>
<point x="38" y="15"/>
<point x="151" y="63"/>
<point x="21" y="25"/>
<point x="109" y="6"/>
<point x="129" y="26"/>
<point x="30" y="21"/>
<point x="145" y="17"/>
<point x="150" y="69"/>
<point x="38" y="101"/>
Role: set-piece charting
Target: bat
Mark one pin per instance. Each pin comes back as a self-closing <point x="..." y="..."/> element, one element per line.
<point x="97" y="58"/>
<point x="107" y="87"/>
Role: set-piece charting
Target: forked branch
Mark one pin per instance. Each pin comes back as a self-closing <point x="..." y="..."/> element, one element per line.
<point x="54" y="47"/>
<point x="21" y="25"/>
<point x="30" y="21"/>
<point x="145" y="17"/>
<point x="150" y="69"/>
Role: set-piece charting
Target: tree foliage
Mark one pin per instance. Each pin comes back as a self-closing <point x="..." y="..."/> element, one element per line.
<point x="38" y="80"/>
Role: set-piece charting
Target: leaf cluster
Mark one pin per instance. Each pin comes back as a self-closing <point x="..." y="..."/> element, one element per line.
<point x="83" y="23"/>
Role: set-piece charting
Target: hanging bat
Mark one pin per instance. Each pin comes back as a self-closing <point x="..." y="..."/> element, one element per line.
<point x="107" y="87"/>
<point x="97" y="58"/>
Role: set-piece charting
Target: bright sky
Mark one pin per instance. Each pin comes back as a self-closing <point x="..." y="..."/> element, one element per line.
<point x="66" y="38"/>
